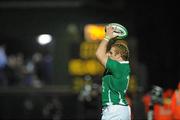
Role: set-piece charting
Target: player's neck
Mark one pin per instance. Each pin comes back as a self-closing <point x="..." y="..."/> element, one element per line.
<point x="119" y="59"/>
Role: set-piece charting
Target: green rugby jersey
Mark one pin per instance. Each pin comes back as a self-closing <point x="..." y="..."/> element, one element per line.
<point x="115" y="82"/>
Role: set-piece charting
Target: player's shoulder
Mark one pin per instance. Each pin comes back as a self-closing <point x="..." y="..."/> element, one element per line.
<point x="117" y="62"/>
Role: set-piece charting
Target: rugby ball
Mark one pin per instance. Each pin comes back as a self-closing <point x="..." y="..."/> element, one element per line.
<point x="119" y="30"/>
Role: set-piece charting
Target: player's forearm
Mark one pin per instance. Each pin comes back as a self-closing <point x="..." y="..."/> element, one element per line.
<point x="101" y="50"/>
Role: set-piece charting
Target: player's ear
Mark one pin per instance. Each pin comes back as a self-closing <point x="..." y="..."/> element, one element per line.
<point x="117" y="55"/>
<point x="108" y="54"/>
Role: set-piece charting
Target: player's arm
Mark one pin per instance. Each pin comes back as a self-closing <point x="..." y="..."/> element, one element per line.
<point x="101" y="54"/>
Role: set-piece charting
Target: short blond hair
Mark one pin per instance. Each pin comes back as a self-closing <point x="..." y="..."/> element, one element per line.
<point x="121" y="47"/>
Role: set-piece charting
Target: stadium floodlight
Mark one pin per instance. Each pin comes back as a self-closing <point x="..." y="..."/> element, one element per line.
<point x="44" y="39"/>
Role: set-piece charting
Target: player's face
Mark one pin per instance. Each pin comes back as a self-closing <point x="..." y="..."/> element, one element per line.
<point x="112" y="54"/>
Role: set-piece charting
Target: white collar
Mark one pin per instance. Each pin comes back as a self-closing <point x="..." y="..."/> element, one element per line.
<point x="123" y="62"/>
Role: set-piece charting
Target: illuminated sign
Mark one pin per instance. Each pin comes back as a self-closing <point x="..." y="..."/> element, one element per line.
<point x="81" y="67"/>
<point x="94" y="32"/>
<point x="88" y="49"/>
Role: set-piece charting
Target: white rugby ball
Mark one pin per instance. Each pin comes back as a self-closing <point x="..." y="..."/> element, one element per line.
<point x="119" y="30"/>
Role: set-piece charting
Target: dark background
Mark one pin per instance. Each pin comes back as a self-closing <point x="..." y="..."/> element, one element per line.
<point x="152" y="23"/>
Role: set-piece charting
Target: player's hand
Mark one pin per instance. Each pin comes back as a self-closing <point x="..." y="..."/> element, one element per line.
<point x="109" y="32"/>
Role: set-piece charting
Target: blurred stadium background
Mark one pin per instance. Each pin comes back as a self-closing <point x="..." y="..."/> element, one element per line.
<point x="47" y="65"/>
